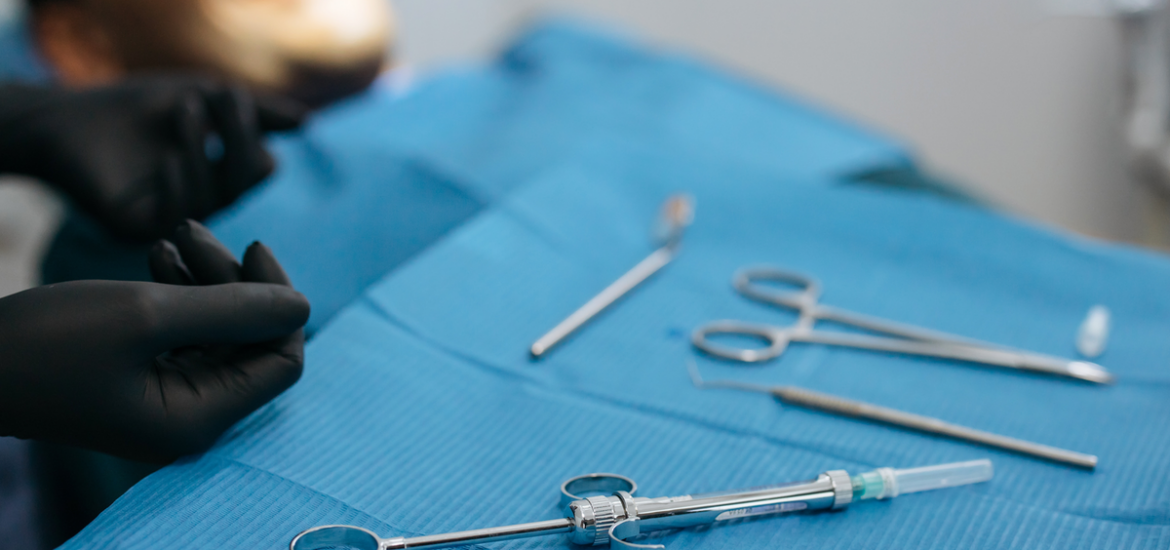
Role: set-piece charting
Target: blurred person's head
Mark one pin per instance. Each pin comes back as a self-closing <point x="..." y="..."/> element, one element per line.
<point x="315" y="51"/>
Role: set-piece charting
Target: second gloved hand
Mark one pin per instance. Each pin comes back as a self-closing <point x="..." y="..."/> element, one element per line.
<point x="144" y="154"/>
<point x="151" y="371"/>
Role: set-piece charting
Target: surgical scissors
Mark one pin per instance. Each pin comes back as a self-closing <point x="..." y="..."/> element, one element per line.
<point x="905" y="338"/>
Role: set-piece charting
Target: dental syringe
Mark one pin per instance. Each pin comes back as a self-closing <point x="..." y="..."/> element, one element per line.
<point x="613" y="519"/>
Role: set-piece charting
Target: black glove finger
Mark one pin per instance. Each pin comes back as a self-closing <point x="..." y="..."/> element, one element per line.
<point x="260" y="266"/>
<point x="249" y="361"/>
<point x="208" y="392"/>
<point x="197" y="197"/>
<point x="207" y="259"/>
<point x="272" y="369"/>
<point x="166" y="265"/>
<point x="279" y="114"/>
<point x="245" y="162"/>
<point x="291" y="347"/>
<point x="237" y="313"/>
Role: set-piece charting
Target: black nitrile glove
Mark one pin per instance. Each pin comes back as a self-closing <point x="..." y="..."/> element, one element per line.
<point x="151" y="371"/>
<point x="135" y="155"/>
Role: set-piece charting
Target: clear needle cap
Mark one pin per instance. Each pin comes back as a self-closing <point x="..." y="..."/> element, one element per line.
<point x="889" y="482"/>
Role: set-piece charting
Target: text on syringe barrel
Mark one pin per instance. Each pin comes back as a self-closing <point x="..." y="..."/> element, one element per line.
<point x="817" y="494"/>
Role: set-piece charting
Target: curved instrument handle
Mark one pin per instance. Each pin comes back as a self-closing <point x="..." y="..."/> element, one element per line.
<point x="628" y="528"/>
<point x="609" y="484"/>
<point x="337" y="536"/>
<point x="777" y="340"/>
<point x="747" y="282"/>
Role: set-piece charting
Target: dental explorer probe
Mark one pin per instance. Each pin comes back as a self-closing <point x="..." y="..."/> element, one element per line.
<point x="833" y="404"/>
<point x="610" y="520"/>
<point x="677" y="213"/>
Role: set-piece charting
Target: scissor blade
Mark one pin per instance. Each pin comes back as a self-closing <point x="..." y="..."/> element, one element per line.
<point x="1081" y="370"/>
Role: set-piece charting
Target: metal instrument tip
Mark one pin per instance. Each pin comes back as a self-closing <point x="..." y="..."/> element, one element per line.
<point x="697" y="380"/>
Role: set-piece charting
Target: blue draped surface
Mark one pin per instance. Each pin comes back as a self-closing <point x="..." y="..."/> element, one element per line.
<point x="18" y="60"/>
<point x="421" y="413"/>
<point x="369" y="183"/>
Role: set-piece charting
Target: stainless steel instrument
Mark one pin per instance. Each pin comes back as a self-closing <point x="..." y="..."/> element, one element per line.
<point x="833" y="404"/>
<point x="903" y="338"/>
<point x="613" y="519"/>
<point x="677" y="213"/>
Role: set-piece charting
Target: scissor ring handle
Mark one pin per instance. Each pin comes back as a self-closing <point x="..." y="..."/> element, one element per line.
<point x="746" y="282"/>
<point x="595" y="483"/>
<point x="777" y="341"/>
<point x="335" y="536"/>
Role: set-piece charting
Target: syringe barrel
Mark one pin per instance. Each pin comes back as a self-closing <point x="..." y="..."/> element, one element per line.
<point x="829" y="490"/>
<point x="592" y="516"/>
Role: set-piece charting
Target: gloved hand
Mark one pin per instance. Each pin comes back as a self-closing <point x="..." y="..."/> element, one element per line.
<point x="151" y="371"/>
<point x="135" y="155"/>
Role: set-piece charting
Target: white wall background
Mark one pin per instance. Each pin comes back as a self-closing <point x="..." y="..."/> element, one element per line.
<point x="1015" y="98"/>
<point x="8" y="8"/>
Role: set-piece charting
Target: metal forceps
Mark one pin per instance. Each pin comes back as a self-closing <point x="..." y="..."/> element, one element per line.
<point x="902" y="338"/>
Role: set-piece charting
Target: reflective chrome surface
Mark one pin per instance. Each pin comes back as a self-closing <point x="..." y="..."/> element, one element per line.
<point x="905" y="338"/>
<point x="677" y="213"/>
<point x="336" y="536"/>
<point x="857" y="409"/>
<point x="575" y="487"/>
<point x="605" y="520"/>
